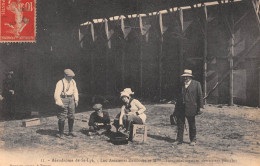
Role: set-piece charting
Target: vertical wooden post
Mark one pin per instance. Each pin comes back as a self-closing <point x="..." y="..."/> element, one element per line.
<point x="160" y="55"/>
<point x="181" y="42"/>
<point x="141" y="67"/>
<point x="258" y="86"/>
<point x="160" y="68"/>
<point x="123" y="65"/>
<point x="107" y="66"/>
<point x="205" y="55"/>
<point x="231" y="76"/>
<point x="181" y="55"/>
<point x="92" y="61"/>
<point x="123" y="53"/>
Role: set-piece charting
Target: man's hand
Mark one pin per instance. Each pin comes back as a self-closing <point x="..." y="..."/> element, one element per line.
<point x="11" y="91"/>
<point x="62" y="106"/>
<point x="120" y="128"/>
<point x="200" y="111"/>
<point x="76" y="103"/>
<point x="130" y="113"/>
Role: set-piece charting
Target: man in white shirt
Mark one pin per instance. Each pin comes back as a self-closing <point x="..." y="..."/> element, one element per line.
<point x="67" y="98"/>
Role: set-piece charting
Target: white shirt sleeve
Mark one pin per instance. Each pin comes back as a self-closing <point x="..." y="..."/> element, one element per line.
<point x="140" y="106"/>
<point x="57" y="93"/>
<point x="75" y="91"/>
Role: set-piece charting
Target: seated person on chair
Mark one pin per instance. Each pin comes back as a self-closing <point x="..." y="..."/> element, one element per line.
<point x="132" y="112"/>
<point x="99" y="120"/>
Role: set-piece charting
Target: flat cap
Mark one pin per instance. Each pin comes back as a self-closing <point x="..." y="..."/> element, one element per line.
<point x="97" y="107"/>
<point x="69" y="72"/>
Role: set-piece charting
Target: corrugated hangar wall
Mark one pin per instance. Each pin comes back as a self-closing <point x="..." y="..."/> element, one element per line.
<point x="39" y="66"/>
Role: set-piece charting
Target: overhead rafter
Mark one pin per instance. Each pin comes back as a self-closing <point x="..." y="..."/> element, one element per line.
<point x="95" y="9"/>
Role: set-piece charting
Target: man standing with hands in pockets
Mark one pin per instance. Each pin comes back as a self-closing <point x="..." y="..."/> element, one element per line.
<point x="67" y="98"/>
<point x="188" y="105"/>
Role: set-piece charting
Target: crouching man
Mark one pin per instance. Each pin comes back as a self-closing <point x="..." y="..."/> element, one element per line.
<point x="99" y="121"/>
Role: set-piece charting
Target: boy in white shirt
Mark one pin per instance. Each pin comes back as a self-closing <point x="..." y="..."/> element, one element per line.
<point x="67" y="98"/>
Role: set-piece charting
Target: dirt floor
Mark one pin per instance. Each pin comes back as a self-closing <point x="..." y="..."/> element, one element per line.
<point x="226" y="136"/>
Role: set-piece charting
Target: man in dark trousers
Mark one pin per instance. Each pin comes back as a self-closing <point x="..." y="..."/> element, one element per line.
<point x="66" y="98"/>
<point x="189" y="103"/>
<point x="9" y="95"/>
<point x="99" y="121"/>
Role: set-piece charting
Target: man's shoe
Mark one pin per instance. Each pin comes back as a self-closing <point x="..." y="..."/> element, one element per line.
<point x="61" y="136"/>
<point x="177" y="143"/>
<point x="72" y="134"/>
<point x="192" y="143"/>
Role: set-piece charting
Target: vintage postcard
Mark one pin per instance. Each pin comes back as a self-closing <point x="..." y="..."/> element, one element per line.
<point x="129" y="82"/>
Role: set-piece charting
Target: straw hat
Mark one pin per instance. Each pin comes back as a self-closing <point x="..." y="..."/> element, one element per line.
<point x="129" y="91"/>
<point x="187" y="73"/>
<point x="124" y="94"/>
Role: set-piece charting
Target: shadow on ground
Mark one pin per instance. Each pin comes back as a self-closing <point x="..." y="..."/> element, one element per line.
<point x="49" y="132"/>
<point x="160" y="138"/>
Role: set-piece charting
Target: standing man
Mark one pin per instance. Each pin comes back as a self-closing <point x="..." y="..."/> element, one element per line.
<point x="188" y="105"/>
<point x="9" y="95"/>
<point x="67" y="98"/>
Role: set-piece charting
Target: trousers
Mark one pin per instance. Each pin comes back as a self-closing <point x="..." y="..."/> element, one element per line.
<point x="68" y="111"/>
<point x="192" y="127"/>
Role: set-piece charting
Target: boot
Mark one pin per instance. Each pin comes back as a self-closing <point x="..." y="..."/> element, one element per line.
<point x="61" y="129"/>
<point x="71" y="122"/>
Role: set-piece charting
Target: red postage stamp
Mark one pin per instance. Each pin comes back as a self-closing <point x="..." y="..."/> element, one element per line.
<point x="18" y="21"/>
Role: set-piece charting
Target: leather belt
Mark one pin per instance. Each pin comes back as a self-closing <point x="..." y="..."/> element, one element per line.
<point x="65" y="96"/>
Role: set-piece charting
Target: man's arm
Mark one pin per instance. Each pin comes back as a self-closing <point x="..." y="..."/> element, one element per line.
<point x="76" y="93"/>
<point x="106" y="118"/>
<point x="200" y="97"/>
<point x="140" y="106"/>
<point x="57" y="94"/>
<point x="121" y="115"/>
<point x="199" y="100"/>
<point x="91" y="120"/>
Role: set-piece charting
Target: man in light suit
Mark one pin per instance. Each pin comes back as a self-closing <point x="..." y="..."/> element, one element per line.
<point x="189" y="103"/>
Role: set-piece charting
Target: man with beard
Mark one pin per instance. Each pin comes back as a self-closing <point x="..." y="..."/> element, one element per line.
<point x="189" y="103"/>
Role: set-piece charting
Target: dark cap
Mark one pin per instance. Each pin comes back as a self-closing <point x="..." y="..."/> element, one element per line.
<point x="97" y="107"/>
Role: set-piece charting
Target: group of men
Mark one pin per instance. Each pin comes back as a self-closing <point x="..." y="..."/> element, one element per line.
<point x="67" y="98"/>
<point x="189" y="104"/>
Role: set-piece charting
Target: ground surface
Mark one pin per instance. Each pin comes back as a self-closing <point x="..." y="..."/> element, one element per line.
<point x="226" y="136"/>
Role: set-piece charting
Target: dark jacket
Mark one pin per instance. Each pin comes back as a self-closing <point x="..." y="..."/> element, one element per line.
<point x="8" y="84"/>
<point x="189" y="100"/>
<point x="94" y="118"/>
